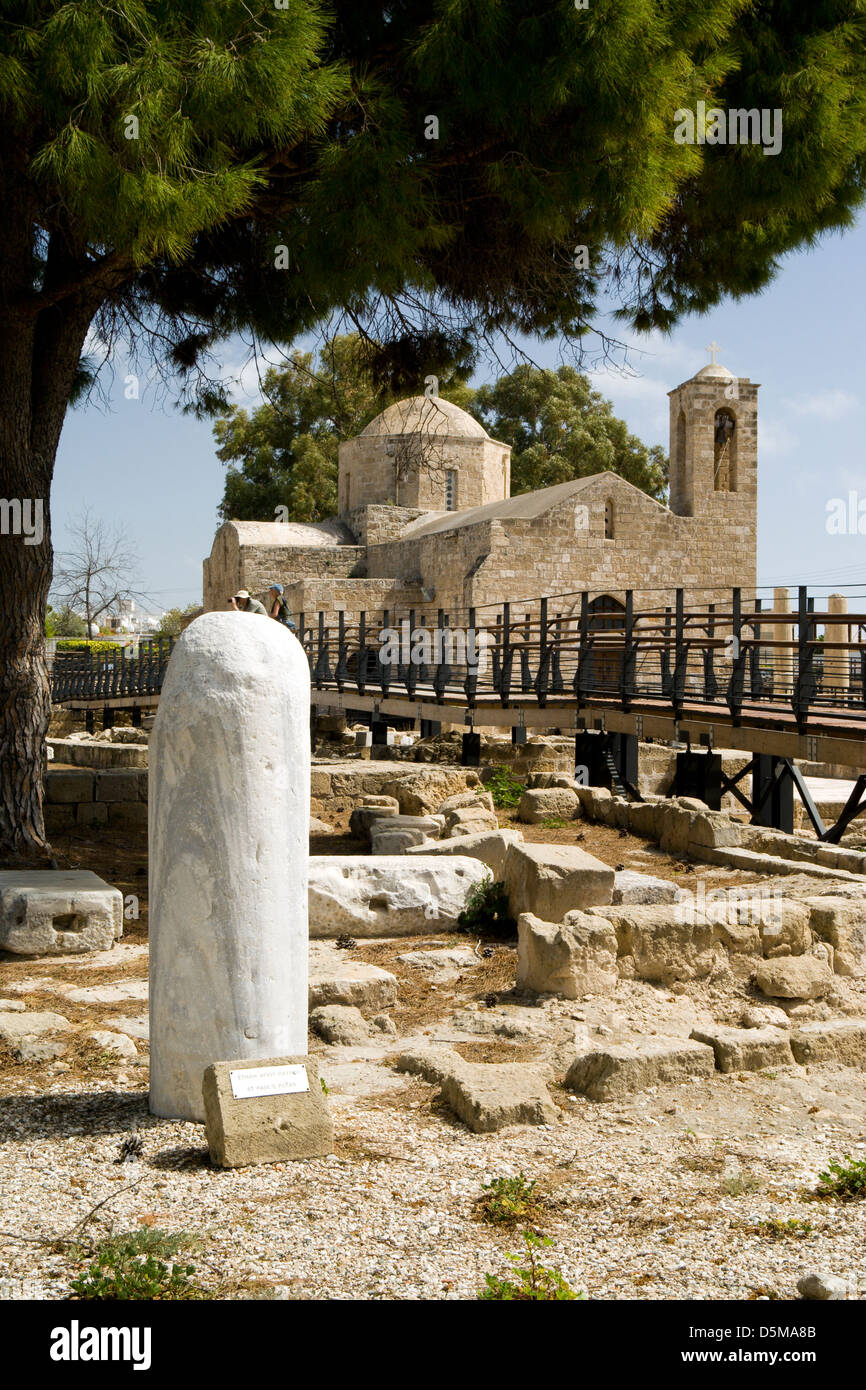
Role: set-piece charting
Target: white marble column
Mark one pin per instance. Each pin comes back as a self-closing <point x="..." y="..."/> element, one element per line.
<point x="229" y="799"/>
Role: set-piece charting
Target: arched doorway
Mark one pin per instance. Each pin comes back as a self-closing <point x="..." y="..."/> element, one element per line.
<point x="606" y="614"/>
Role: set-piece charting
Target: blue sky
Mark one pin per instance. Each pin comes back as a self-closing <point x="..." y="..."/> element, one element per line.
<point x="142" y="465"/>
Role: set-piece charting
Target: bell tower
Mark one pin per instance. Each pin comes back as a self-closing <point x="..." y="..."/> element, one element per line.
<point x="714" y="445"/>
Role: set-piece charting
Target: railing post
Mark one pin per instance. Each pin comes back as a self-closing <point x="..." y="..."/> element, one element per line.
<point x="542" y="679"/>
<point x="805" y="684"/>
<point x="629" y="654"/>
<point x="735" y="684"/>
<point x="470" y="683"/>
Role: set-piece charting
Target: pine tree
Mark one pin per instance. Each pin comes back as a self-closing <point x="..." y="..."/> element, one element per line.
<point x="434" y="172"/>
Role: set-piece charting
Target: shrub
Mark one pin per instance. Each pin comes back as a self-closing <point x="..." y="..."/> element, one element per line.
<point x="505" y="788"/>
<point x="505" y="1201"/>
<point x="534" y="1282"/>
<point x="133" y="1266"/>
<point x="845" y="1182"/>
<point x="487" y="911"/>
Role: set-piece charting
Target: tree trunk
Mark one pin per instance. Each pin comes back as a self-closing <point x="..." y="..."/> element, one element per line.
<point x="38" y="357"/>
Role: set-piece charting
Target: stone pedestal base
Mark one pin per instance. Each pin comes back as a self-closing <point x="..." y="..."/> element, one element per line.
<point x="247" y="1129"/>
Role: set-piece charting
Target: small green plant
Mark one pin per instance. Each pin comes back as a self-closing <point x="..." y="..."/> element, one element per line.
<point x="740" y="1184"/>
<point x="777" y="1229"/>
<point x="325" y="1088"/>
<point x="534" y="1282"/>
<point x="505" y="788"/>
<point x="133" y="1266"/>
<point x="487" y="911"/>
<point x="845" y="1182"/>
<point x="505" y="1201"/>
<point x="553" y="823"/>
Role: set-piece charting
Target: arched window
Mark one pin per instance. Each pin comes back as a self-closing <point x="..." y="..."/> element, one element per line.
<point x="678" y="467"/>
<point x="608" y="520"/>
<point x="606" y="614"/>
<point x="725" y="452"/>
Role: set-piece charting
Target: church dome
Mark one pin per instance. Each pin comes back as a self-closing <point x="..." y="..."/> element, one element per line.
<point x="427" y="415"/>
<point x="714" y="370"/>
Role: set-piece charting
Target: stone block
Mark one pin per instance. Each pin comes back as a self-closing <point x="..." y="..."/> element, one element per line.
<point x="114" y="785"/>
<point x="486" y="1096"/>
<point x="663" y="943"/>
<point x="96" y="813"/>
<point x="746" y="1049"/>
<point x="131" y="813"/>
<point x="59" y="818"/>
<point x="490" y="847"/>
<point x="616" y="1070"/>
<point x="841" y="922"/>
<point x="836" y="1040"/>
<point x="642" y="890"/>
<point x="265" y="1129"/>
<point x="350" y="982"/>
<point x="571" y="958"/>
<point x="58" y="912"/>
<point x="16" y="1027"/>
<point x="548" y="803"/>
<point x="118" y="1043"/>
<point x="63" y="787"/>
<point x="370" y="812"/>
<point x="794" y="977"/>
<point x="340" y="1023"/>
<point x="478" y="798"/>
<point x="389" y="895"/>
<point x="551" y="880"/>
<point x="423" y="792"/>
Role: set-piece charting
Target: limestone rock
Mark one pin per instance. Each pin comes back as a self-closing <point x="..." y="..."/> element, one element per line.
<point x="423" y="792"/>
<point x="58" y="912"/>
<point x="265" y="1129"/>
<point x="385" y="1024"/>
<point x="551" y="880"/>
<point x="469" y="820"/>
<point x="617" y="1070"/>
<point x="794" y="977"/>
<point x="320" y="827"/>
<point x="118" y="1043"/>
<point x="572" y="958"/>
<point x="340" y="1023"/>
<point x="443" y="965"/>
<point x="823" y="1288"/>
<point x="765" y="1015"/>
<point x="834" y="1040"/>
<point x="842" y="923"/>
<point x="490" y="847"/>
<point x="351" y="982"/>
<point x="546" y="803"/>
<point x="389" y="895"/>
<point x="486" y="1096"/>
<point x="372" y="810"/>
<point x="38" y="1050"/>
<point x="15" y="1027"/>
<point x="463" y="799"/>
<point x="746" y="1049"/>
<point x="391" y="842"/>
<point x="12" y="1006"/>
<point x="631" y="888"/>
<point x="663" y="944"/>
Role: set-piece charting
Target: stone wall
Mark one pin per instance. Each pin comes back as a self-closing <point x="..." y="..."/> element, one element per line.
<point x="81" y="798"/>
<point x="249" y="555"/>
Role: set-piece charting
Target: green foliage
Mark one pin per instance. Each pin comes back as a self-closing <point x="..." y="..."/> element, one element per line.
<point x="285" y="452"/>
<point x="534" y="1282"/>
<point x="553" y="823"/>
<point x="487" y="911"/>
<point x="777" y="1229"/>
<point x="171" y="624"/>
<point x="133" y="1266"/>
<point x="87" y="644"/>
<point x="560" y="428"/>
<point x="844" y="1182"/>
<point x="505" y="788"/>
<point x="740" y="1184"/>
<point x="507" y="1201"/>
<point x="64" y="623"/>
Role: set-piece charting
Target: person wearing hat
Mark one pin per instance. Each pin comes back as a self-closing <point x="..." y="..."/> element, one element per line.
<point x="242" y="603"/>
<point x="278" y="608"/>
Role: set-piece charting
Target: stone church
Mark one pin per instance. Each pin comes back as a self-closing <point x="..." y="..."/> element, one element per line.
<point x="427" y="521"/>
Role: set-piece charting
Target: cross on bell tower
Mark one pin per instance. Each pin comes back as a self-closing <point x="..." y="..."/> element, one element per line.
<point x="713" y="350"/>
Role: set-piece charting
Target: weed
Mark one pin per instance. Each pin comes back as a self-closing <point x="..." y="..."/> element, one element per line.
<point x="553" y="823"/>
<point x="777" y="1229"/>
<point x="133" y="1266"/>
<point x="535" y="1282"/>
<point x="487" y="911"/>
<point x="740" y="1184"/>
<point x="505" y="1201"/>
<point x="844" y="1182"/>
<point x="505" y="788"/>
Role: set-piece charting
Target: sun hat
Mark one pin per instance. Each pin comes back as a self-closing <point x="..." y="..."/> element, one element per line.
<point x="242" y="593"/>
<point x="278" y="588"/>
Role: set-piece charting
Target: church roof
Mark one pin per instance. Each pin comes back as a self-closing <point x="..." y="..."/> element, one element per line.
<point x="429" y="415"/>
<point x="526" y="506"/>
<point x="713" y="369"/>
<point x="293" y="533"/>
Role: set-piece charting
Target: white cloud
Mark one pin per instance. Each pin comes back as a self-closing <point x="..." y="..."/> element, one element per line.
<point x="824" y="405"/>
